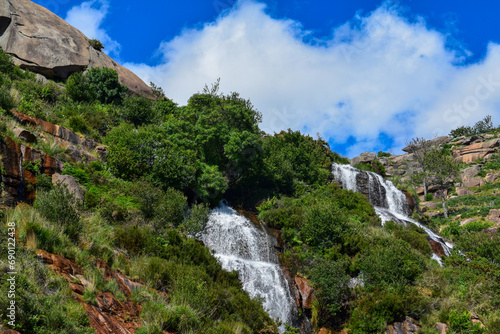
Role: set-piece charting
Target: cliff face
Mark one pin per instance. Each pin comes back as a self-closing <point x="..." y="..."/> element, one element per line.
<point x="42" y="42"/>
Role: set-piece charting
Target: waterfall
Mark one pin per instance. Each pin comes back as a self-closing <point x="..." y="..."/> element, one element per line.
<point x="389" y="202"/>
<point x="247" y="248"/>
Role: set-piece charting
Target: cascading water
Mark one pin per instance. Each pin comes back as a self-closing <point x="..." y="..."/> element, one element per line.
<point x="390" y="203"/>
<point x="242" y="246"/>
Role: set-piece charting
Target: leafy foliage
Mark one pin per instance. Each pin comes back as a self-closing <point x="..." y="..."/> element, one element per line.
<point x="96" y="44"/>
<point x="482" y="126"/>
<point x="96" y="84"/>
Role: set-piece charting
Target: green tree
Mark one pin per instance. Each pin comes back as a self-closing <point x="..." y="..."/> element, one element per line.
<point x="440" y="169"/>
<point x="138" y="110"/>
<point x="104" y="85"/>
<point x="98" y="83"/>
<point x="419" y="147"/>
<point x="331" y="284"/>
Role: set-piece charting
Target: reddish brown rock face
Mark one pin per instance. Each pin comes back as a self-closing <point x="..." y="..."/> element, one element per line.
<point x="18" y="180"/>
<point x="110" y="315"/>
<point x="306" y="292"/>
<point x="437" y="248"/>
<point x="411" y="201"/>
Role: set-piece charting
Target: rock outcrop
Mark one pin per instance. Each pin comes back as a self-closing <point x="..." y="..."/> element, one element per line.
<point x="365" y="157"/>
<point x="408" y="326"/>
<point x="473" y="152"/>
<point x="18" y="177"/>
<point x="109" y="315"/>
<point x="306" y="292"/>
<point x="42" y="42"/>
<point x="71" y="184"/>
<point x="79" y="148"/>
<point x="441" y="328"/>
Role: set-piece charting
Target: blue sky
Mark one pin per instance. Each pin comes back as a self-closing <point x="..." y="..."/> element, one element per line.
<point x="366" y="75"/>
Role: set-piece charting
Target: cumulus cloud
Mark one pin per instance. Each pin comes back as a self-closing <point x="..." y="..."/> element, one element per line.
<point x="378" y="79"/>
<point x="88" y="18"/>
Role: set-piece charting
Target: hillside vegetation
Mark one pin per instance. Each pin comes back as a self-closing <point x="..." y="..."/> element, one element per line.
<point x="148" y="198"/>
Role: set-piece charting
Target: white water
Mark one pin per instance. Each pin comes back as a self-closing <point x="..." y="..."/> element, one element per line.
<point x="242" y="246"/>
<point x="392" y="205"/>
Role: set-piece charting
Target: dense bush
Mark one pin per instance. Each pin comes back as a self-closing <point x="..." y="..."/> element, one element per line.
<point x="96" y="44"/>
<point x="375" y="167"/>
<point x="59" y="206"/>
<point x="482" y="126"/>
<point x="97" y="83"/>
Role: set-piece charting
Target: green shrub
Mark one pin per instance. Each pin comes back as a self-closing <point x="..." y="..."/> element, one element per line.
<point x="98" y="83"/>
<point x="382" y="154"/>
<point x="429" y="197"/>
<point x="138" y="110"/>
<point x="417" y="240"/>
<point x="96" y="44"/>
<point x="133" y="238"/>
<point x="196" y="219"/>
<point x="375" y="167"/>
<point x="59" y="206"/>
<point x="331" y="284"/>
<point x="375" y="309"/>
<point x="460" y="323"/>
<point x="390" y="262"/>
<point x="104" y="85"/>
<point x="325" y="225"/>
<point x="6" y="99"/>
<point x="211" y="184"/>
<point x="77" y="87"/>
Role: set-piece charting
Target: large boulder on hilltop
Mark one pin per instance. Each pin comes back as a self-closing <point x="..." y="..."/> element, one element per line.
<point x="42" y="42"/>
<point x="365" y="157"/>
<point x="480" y="150"/>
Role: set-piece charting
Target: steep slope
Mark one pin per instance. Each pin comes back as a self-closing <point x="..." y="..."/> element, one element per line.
<point x="42" y="42"/>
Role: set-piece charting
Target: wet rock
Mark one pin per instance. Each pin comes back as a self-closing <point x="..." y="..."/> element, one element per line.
<point x="19" y="180"/>
<point x="437" y="248"/>
<point x="306" y="292"/>
<point x="412" y="203"/>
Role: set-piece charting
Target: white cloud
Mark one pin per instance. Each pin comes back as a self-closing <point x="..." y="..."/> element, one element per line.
<point x="376" y="74"/>
<point x="88" y="18"/>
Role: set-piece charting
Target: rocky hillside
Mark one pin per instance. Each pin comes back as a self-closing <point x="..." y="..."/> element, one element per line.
<point x="110" y="192"/>
<point x="472" y="195"/>
<point x="42" y="42"/>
